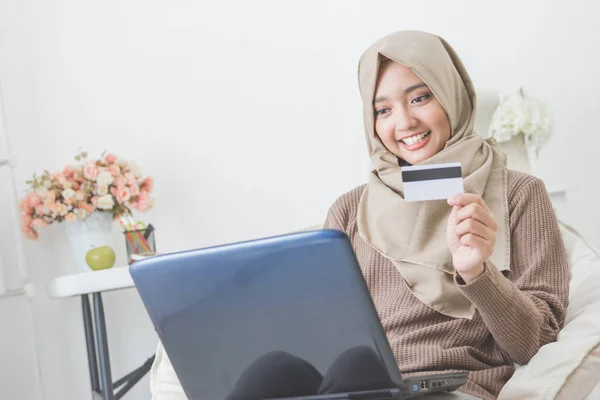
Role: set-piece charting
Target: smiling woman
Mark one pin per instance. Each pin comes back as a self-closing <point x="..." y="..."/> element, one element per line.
<point x="444" y="275"/>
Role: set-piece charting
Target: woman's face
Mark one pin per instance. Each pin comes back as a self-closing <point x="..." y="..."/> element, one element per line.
<point x="409" y="119"/>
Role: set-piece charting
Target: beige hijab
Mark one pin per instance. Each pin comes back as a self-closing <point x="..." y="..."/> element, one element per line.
<point x="413" y="234"/>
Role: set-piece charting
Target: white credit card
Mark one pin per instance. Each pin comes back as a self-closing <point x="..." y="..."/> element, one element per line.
<point x="432" y="182"/>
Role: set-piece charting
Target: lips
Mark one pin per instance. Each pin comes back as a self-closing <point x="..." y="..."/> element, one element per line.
<point x="415" y="142"/>
<point x="415" y="138"/>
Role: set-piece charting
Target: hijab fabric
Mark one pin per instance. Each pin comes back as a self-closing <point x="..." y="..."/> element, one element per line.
<point x="413" y="234"/>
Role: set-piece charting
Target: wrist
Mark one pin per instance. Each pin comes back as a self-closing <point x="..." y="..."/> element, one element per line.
<point x="472" y="274"/>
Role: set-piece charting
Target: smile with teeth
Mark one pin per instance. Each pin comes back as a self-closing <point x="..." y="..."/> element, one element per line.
<point x="415" y="139"/>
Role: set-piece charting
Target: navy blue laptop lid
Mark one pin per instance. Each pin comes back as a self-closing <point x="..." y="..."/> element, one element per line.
<point x="218" y="310"/>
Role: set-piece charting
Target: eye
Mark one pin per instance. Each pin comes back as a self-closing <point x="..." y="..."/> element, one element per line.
<point x="381" y="111"/>
<point x="420" y="99"/>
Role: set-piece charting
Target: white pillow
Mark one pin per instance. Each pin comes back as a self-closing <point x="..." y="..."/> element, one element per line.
<point x="164" y="384"/>
<point x="570" y="367"/>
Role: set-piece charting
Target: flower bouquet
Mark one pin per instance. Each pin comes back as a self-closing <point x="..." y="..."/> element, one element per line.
<point x="108" y="184"/>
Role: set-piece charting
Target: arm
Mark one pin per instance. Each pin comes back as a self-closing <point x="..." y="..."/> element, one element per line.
<point x="526" y="310"/>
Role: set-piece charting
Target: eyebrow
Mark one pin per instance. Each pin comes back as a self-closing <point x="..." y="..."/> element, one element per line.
<point x="409" y="89"/>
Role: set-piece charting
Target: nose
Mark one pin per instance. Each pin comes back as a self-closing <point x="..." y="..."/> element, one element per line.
<point x="404" y="119"/>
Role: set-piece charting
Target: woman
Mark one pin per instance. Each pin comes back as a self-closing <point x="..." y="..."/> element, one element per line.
<point x="476" y="283"/>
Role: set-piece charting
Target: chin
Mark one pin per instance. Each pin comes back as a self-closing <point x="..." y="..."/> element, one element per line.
<point x="415" y="159"/>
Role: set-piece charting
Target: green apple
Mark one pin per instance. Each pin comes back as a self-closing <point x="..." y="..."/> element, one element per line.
<point x="100" y="258"/>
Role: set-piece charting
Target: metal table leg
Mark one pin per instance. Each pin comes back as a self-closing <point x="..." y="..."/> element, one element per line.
<point x="96" y="342"/>
<point x="100" y="325"/>
<point x="90" y="342"/>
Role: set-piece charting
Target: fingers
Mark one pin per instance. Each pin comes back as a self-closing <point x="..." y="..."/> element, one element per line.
<point x="478" y="213"/>
<point x="473" y="222"/>
<point x="472" y="226"/>
<point x="477" y="242"/>
<point x="472" y="206"/>
<point x="464" y="199"/>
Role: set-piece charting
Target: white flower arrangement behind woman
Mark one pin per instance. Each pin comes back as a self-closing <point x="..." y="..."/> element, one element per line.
<point x="518" y="114"/>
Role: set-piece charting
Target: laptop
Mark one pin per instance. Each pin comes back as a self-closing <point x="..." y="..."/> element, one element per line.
<point x="270" y="316"/>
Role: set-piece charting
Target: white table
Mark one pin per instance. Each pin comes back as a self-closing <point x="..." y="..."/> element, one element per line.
<point x="94" y="283"/>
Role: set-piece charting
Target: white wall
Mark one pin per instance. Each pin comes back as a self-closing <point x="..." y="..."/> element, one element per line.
<point x="19" y="372"/>
<point x="248" y="116"/>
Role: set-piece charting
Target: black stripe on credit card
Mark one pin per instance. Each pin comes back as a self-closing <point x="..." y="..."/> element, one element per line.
<point x="431" y="174"/>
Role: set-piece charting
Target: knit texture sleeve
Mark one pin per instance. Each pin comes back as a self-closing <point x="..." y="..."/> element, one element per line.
<point x="526" y="310"/>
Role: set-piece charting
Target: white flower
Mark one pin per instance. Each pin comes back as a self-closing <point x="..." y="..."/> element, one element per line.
<point x="102" y="190"/>
<point x="62" y="209"/>
<point x="79" y="195"/>
<point x="105" y="178"/>
<point x="68" y="194"/>
<point x="106" y="202"/>
<point x="81" y="213"/>
<point x="508" y="119"/>
<point x="521" y="115"/>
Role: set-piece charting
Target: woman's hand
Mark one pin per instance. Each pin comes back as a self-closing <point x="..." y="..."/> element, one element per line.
<point x="471" y="234"/>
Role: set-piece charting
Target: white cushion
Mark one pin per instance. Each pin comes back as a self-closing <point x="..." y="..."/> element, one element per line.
<point x="164" y="384"/>
<point x="570" y="367"/>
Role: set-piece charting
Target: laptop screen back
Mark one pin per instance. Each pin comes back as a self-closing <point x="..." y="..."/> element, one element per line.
<point x="220" y="311"/>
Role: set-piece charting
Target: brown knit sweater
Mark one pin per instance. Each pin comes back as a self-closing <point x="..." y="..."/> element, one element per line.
<point x="515" y="316"/>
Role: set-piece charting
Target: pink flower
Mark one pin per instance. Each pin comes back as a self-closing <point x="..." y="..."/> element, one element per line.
<point x="50" y="201"/>
<point x="39" y="223"/>
<point x="130" y="179"/>
<point x="68" y="171"/>
<point x="123" y="194"/>
<point x="30" y="233"/>
<point x="50" y="206"/>
<point x="39" y="210"/>
<point x="70" y="217"/>
<point x="24" y="205"/>
<point x="119" y="182"/>
<point x="135" y="190"/>
<point x="50" y="197"/>
<point x="147" y="184"/>
<point x="144" y="202"/>
<point x="64" y="182"/>
<point x="94" y="201"/>
<point x="26" y="219"/>
<point x="114" y="170"/>
<point x="110" y="158"/>
<point x="90" y="170"/>
<point x="87" y="207"/>
<point x="35" y="199"/>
